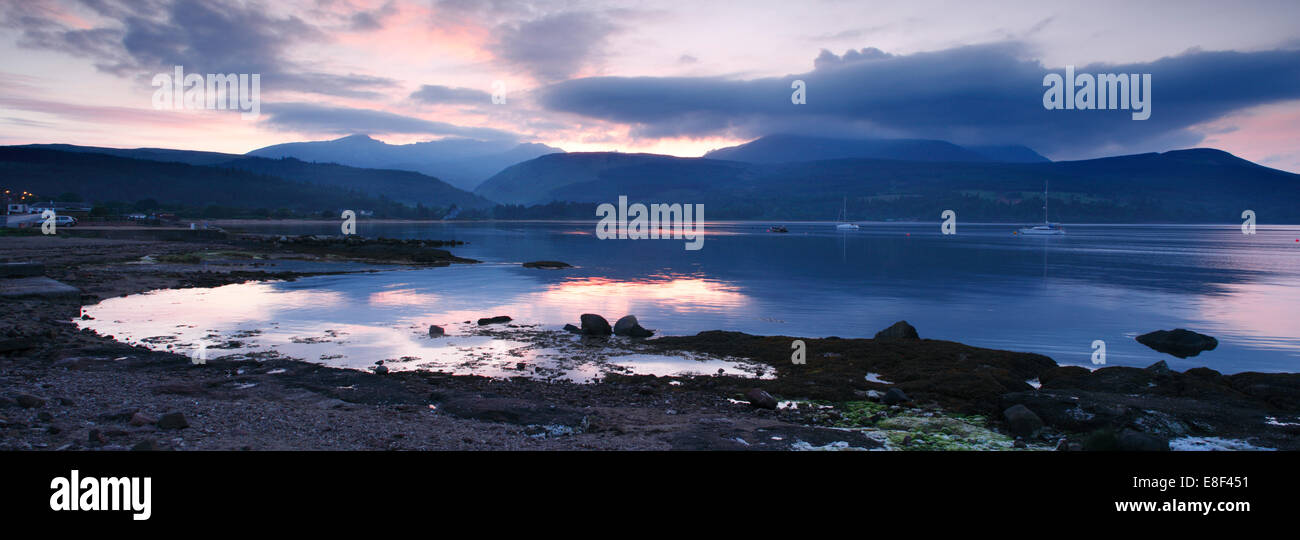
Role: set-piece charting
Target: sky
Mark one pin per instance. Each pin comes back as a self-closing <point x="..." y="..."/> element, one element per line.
<point x="671" y="77"/>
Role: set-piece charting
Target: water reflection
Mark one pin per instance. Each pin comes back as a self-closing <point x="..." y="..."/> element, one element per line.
<point x="982" y="286"/>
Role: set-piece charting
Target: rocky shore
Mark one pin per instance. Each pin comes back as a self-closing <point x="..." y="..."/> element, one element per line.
<point x="62" y="388"/>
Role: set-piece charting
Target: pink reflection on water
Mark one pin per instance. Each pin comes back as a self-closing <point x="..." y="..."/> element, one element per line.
<point x="402" y="297"/>
<point x="1258" y="313"/>
<point x="682" y="294"/>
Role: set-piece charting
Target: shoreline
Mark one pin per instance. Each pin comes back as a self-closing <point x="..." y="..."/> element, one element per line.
<point x="954" y="396"/>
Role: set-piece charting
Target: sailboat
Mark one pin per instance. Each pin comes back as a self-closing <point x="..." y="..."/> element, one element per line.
<point x="1047" y="228"/>
<point x="844" y="214"/>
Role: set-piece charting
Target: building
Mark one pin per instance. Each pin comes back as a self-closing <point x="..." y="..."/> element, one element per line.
<point x="76" y="210"/>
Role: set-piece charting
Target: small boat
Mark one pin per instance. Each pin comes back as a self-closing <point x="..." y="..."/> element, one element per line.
<point x="844" y="214"/>
<point x="1047" y="228"/>
<point x="778" y="229"/>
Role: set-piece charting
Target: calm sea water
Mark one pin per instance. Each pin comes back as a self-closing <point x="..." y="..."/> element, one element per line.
<point x="982" y="286"/>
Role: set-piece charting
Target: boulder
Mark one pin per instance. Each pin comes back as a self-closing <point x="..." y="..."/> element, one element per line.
<point x="1022" y="422"/>
<point x="147" y="445"/>
<point x="894" y="396"/>
<point x="1178" y="342"/>
<point x="595" y="325"/>
<point x="436" y="331"/>
<point x="173" y="421"/>
<point x="140" y="419"/>
<point x="898" y="330"/>
<point x="761" y="399"/>
<point x="628" y="326"/>
<point x="572" y="328"/>
<point x="494" y="320"/>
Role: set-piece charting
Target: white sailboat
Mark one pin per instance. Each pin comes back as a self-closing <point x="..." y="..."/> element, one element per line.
<point x="843" y="219"/>
<point x="1047" y="228"/>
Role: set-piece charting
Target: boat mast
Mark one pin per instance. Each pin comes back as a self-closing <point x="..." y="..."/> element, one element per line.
<point x="1045" y="220"/>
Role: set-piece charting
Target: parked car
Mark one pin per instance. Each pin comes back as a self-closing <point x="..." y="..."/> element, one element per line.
<point x="65" y="221"/>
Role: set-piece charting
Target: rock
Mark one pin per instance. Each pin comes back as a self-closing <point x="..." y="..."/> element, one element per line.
<point x="140" y="419"/>
<point x="1130" y="440"/>
<point x="96" y="438"/>
<point x="44" y="416"/>
<point x="1063" y="445"/>
<point x="595" y="325"/>
<point x="28" y="401"/>
<point x="1069" y="410"/>
<point x="572" y="328"/>
<point x="514" y="411"/>
<point x="547" y="265"/>
<point x="118" y="416"/>
<point x="381" y="370"/>
<point x="628" y="326"/>
<point x="1178" y="342"/>
<point x="760" y="398"/>
<point x="147" y="445"/>
<point x="173" y="421"/>
<point x="1159" y="368"/>
<point x="894" y="396"/>
<point x="899" y="330"/>
<point x="494" y="320"/>
<point x="436" y="331"/>
<point x="1022" y="422"/>
<point x="1020" y="443"/>
<point x="1205" y="374"/>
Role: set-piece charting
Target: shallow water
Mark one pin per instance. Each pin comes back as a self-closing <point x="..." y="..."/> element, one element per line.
<point x="982" y="286"/>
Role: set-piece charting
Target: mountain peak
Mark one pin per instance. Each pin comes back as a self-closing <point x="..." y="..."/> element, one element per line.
<point x="356" y="137"/>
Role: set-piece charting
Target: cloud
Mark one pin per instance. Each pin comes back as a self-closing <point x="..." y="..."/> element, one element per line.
<point x="201" y="35"/>
<point x="370" y="21"/>
<point x="312" y="118"/>
<point x="980" y="94"/>
<point x="553" y="47"/>
<point x="435" y="94"/>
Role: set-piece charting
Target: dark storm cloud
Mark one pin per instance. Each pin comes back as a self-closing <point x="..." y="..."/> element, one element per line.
<point x="975" y="94"/>
<point x="435" y="94"/>
<point x="203" y="36"/>
<point x="309" y="117"/>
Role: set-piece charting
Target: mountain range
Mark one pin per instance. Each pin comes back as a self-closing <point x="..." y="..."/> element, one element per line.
<point x="154" y="164"/>
<point x="781" y="177"/>
<point x="795" y="148"/>
<point x="1195" y="185"/>
<point x="464" y="163"/>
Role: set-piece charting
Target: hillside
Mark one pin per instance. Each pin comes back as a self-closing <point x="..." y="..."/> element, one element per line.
<point x="104" y="178"/>
<point x="1198" y="185"/>
<point x="564" y="177"/>
<point x="406" y="187"/>
<point x="796" y="148"/>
